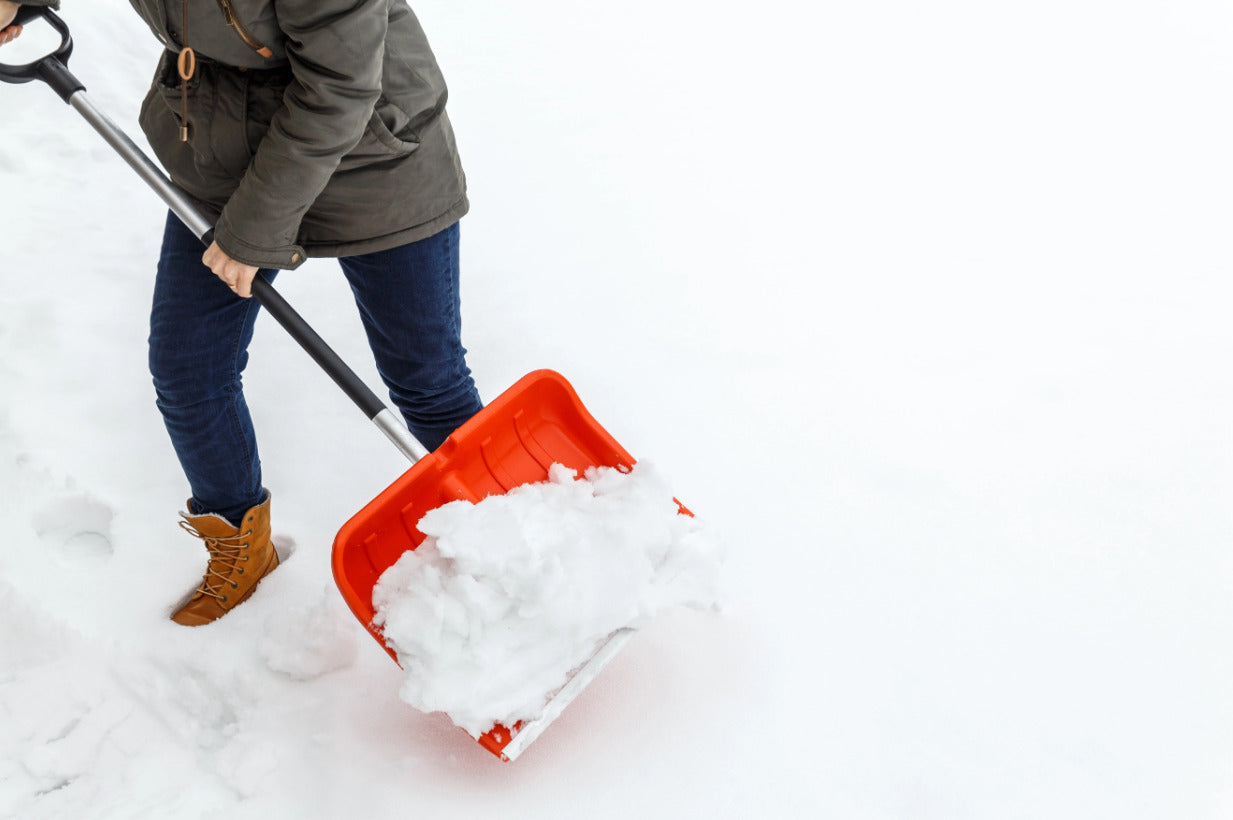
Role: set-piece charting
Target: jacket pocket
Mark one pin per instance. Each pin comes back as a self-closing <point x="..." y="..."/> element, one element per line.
<point x="385" y="138"/>
<point x="173" y="92"/>
<point x="264" y="100"/>
<point x="228" y="124"/>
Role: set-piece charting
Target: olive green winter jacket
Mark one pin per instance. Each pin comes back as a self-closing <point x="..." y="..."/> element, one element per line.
<point x="315" y="127"/>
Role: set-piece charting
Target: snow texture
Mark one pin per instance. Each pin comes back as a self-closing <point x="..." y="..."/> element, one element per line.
<point x="506" y="597"/>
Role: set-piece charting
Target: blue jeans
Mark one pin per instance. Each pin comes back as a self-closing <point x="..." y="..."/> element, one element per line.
<point x="200" y="331"/>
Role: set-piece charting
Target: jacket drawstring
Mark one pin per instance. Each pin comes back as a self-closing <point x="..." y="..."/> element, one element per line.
<point x="186" y="64"/>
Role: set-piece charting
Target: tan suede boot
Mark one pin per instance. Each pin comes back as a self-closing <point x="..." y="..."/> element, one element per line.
<point x="239" y="558"/>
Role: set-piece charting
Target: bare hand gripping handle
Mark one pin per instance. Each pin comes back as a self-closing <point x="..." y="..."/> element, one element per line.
<point x="53" y="70"/>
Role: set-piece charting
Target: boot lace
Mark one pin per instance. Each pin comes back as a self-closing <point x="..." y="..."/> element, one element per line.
<point x="226" y="554"/>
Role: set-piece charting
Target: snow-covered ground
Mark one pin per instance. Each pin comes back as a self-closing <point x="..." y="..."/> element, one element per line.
<point x="924" y="306"/>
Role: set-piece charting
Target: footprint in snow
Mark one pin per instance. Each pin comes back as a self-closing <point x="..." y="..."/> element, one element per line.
<point x="77" y="528"/>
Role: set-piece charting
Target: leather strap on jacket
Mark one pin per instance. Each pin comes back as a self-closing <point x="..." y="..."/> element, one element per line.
<point x="245" y="35"/>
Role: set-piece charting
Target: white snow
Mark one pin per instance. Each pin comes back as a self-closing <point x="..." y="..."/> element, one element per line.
<point x="305" y="642"/>
<point x="924" y="306"/>
<point x="506" y="597"/>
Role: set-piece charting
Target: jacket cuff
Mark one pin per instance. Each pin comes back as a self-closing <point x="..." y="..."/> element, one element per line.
<point x="285" y="257"/>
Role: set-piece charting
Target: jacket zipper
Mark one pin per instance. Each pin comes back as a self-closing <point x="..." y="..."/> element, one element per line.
<point x="245" y="35"/>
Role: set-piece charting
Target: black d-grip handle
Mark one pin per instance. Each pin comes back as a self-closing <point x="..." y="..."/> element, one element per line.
<point x="52" y="69"/>
<point x="27" y="13"/>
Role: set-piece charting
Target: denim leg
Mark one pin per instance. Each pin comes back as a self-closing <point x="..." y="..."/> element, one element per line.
<point x="199" y="336"/>
<point x="409" y="302"/>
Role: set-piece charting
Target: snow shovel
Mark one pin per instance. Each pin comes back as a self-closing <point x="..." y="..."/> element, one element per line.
<point x="513" y="441"/>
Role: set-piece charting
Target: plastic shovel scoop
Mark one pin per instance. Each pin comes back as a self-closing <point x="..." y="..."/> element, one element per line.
<point x="514" y="440"/>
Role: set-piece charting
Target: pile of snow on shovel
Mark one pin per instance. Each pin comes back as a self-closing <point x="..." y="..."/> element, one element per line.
<point x="506" y="597"/>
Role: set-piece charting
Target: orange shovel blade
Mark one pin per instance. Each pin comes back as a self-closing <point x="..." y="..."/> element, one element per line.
<point x="538" y="422"/>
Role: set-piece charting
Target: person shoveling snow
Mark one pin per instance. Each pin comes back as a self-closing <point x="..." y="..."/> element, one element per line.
<point x="458" y="449"/>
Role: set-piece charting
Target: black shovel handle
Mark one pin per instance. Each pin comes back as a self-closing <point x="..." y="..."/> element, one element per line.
<point x="27" y="13"/>
<point x="51" y="69"/>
